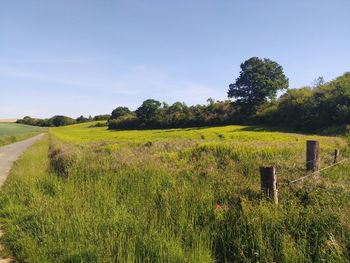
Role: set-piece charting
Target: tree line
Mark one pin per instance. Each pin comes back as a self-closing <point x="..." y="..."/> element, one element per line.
<point x="60" y="120"/>
<point x="324" y="105"/>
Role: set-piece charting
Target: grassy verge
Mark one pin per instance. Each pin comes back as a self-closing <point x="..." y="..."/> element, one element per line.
<point x="174" y="201"/>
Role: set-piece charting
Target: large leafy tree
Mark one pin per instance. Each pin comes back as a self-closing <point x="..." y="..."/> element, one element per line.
<point x="258" y="82"/>
<point x="119" y="112"/>
<point x="148" y="112"/>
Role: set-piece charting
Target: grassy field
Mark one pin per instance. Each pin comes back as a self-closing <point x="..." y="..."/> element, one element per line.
<point x="184" y="195"/>
<point x="87" y="133"/>
<point x="12" y="132"/>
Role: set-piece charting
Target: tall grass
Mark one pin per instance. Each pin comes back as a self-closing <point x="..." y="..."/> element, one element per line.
<point x="190" y="200"/>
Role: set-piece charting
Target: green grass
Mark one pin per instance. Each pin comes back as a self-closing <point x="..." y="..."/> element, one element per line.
<point x="86" y="133"/>
<point x="92" y="195"/>
<point x="12" y="132"/>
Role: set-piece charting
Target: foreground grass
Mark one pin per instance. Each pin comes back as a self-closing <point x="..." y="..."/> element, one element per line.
<point x="13" y="132"/>
<point x="174" y="200"/>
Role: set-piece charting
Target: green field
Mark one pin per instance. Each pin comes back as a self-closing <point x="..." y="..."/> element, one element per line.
<point x="12" y="132"/>
<point x="181" y="195"/>
<point x="86" y="133"/>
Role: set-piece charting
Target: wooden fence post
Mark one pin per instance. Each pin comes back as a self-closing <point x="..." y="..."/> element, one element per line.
<point x="268" y="180"/>
<point x="312" y="156"/>
<point x="336" y="155"/>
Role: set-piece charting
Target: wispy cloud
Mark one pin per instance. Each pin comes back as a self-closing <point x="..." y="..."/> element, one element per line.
<point x="136" y="83"/>
<point x="149" y="82"/>
<point x="40" y="77"/>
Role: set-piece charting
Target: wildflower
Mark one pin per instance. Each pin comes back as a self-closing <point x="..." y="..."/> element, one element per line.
<point x="218" y="206"/>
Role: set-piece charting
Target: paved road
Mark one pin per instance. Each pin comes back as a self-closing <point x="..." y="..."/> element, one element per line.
<point x="10" y="153"/>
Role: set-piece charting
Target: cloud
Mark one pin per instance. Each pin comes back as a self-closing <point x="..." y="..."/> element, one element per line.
<point x="150" y="82"/>
<point x="133" y="84"/>
<point x="44" y="78"/>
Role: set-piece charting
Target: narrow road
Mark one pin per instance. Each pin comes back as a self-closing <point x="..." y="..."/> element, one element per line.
<point x="10" y="153"/>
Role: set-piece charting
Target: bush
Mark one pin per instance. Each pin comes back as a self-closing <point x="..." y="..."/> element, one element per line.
<point x="311" y="109"/>
<point x="99" y="124"/>
<point x="62" y="159"/>
<point x="129" y="121"/>
<point x="103" y="117"/>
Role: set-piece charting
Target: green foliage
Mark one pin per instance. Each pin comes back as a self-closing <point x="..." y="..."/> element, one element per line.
<point x="312" y="109"/>
<point x="179" y="199"/>
<point x="103" y="117"/>
<point x="119" y="112"/>
<point x="152" y="114"/>
<point x="55" y="121"/>
<point x="34" y="121"/>
<point x="258" y="82"/>
<point x="147" y="113"/>
<point x="60" y="120"/>
<point x="128" y="121"/>
<point x="81" y="119"/>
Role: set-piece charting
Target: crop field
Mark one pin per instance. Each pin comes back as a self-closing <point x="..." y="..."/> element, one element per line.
<point x="12" y="132"/>
<point x="87" y="194"/>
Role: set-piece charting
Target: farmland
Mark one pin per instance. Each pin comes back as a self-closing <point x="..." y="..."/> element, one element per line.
<point x="12" y="132"/>
<point x="87" y="194"/>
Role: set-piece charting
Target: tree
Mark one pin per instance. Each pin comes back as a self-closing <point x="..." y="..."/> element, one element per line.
<point x="60" y="120"/>
<point x="81" y="119"/>
<point x="258" y="82"/>
<point x="103" y="117"/>
<point x="148" y="111"/>
<point x="119" y="112"/>
<point x="318" y="82"/>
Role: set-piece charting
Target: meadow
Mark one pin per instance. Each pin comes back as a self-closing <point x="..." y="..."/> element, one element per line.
<point x="12" y="132"/>
<point x="87" y="194"/>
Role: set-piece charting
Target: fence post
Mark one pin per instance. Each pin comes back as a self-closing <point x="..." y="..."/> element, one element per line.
<point x="336" y="155"/>
<point x="312" y="156"/>
<point x="268" y="180"/>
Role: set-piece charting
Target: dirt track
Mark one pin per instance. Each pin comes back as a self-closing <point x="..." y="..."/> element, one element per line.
<point x="10" y="153"/>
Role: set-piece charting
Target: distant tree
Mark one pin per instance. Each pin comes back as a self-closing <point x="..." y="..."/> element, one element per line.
<point x="295" y="108"/>
<point x="128" y="121"/>
<point x="102" y="117"/>
<point x="258" y="82"/>
<point x="60" y="120"/>
<point x="119" y="112"/>
<point x="318" y="82"/>
<point x="175" y="115"/>
<point x="81" y="119"/>
<point x="57" y="120"/>
<point x="210" y="101"/>
<point x="147" y="113"/>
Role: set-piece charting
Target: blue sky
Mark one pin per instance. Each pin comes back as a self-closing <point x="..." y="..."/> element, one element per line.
<point x="87" y="57"/>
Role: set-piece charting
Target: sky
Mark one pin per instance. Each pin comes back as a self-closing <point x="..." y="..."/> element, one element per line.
<point x="87" y="57"/>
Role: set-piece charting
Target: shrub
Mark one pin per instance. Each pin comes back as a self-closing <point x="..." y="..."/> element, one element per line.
<point x="62" y="159"/>
<point x="129" y="121"/>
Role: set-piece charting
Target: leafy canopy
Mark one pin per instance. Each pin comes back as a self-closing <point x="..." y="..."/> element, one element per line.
<point x="147" y="112"/>
<point x="258" y="82"/>
<point x="119" y="112"/>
